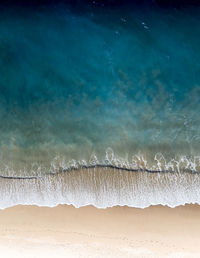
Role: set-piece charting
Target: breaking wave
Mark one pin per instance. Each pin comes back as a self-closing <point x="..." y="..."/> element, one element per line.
<point x="114" y="181"/>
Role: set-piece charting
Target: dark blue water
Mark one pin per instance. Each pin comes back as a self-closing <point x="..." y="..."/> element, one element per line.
<point x="77" y="80"/>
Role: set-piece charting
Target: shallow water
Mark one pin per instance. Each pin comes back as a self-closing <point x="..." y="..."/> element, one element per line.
<point x="89" y="84"/>
<point x="102" y="188"/>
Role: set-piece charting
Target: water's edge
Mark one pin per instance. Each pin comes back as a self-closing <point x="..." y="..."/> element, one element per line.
<point x="102" y="188"/>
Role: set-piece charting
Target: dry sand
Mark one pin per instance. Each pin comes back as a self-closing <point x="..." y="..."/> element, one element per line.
<point x="65" y="231"/>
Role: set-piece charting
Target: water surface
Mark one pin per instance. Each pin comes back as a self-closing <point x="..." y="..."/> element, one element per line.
<point x="113" y="85"/>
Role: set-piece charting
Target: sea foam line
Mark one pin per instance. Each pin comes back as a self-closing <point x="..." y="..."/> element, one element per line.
<point x="138" y="163"/>
<point x="99" y="166"/>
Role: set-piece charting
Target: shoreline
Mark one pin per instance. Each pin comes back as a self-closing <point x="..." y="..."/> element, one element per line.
<point x="102" y="188"/>
<point x="66" y="231"/>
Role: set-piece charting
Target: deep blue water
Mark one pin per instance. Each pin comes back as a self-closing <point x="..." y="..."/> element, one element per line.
<point x="77" y="81"/>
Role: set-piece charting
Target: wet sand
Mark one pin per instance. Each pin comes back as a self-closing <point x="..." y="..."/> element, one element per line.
<point x="65" y="231"/>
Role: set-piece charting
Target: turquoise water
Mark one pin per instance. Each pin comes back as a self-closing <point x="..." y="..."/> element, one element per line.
<point x="93" y="84"/>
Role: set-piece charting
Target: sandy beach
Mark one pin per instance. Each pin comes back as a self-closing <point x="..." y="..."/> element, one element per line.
<point x="65" y="231"/>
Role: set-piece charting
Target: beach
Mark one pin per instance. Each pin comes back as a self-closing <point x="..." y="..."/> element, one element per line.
<point x="99" y="129"/>
<point x="66" y="231"/>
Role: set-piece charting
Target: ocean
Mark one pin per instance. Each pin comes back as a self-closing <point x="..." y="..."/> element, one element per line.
<point x="99" y="104"/>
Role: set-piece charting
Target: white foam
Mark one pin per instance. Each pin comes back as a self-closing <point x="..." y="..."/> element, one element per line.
<point x="103" y="188"/>
<point x="175" y="184"/>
